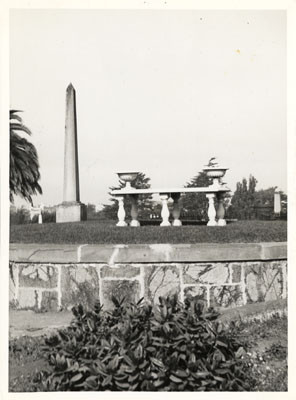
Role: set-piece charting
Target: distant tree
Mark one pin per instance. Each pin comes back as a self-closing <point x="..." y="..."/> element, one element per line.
<point x="243" y="200"/>
<point x="284" y="200"/>
<point x="47" y="216"/>
<point x="264" y="202"/>
<point x="24" y="165"/>
<point x="265" y="196"/>
<point x="195" y="205"/>
<point x="91" y="211"/>
<point x="145" y="205"/>
<point x="19" y="216"/>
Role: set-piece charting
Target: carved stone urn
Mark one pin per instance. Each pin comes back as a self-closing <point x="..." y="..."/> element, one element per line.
<point x="127" y="177"/>
<point x="216" y="173"/>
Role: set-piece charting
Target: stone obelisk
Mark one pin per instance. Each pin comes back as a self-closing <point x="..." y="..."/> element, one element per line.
<point x="71" y="209"/>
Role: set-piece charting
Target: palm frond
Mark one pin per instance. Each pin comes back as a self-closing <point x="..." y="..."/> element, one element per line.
<point x="15" y="116"/>
<point x="19" y="127"/>
<point x="24" y="164"/>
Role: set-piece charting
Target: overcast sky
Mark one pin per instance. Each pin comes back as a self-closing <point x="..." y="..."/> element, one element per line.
<point x="157" y="91"/>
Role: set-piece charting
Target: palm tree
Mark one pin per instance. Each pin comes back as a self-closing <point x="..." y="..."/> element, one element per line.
<point x="24" y="165"/>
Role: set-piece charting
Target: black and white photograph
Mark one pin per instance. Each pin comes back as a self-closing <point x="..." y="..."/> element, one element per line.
<point x="146" y="199"/>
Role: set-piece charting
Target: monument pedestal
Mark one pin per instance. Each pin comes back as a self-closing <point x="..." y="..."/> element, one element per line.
<point x="71" y="211"/>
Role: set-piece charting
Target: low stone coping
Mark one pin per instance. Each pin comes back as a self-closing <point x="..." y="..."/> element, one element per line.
<point x="147" y="253"/>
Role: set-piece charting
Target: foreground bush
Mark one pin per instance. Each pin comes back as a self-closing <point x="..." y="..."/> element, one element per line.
<point x="138" y="347"/>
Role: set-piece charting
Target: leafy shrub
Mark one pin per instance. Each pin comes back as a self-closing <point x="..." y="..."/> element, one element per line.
<point x="137" y="347"/>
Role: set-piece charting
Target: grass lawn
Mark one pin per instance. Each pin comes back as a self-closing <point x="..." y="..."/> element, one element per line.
<point x="92" y="232"/>
<point x="265" y="343"/>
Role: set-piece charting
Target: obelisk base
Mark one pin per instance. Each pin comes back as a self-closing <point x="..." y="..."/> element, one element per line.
<point x="71" y="212"/>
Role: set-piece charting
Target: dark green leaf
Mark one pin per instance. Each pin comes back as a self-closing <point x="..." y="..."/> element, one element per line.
<point x="173" y="378"/>
<point x="76" y="377"/>
<point x="157" y="362"/>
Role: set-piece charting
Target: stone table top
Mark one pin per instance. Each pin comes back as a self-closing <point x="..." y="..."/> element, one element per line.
<point x="209" y="189"/>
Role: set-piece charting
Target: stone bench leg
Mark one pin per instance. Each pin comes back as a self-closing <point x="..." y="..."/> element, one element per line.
<point x="176" y="210"/>
<point x="165" y="213"/>
<point x="211" y="210"/>
<point x="121" y="212"/>
<point x="220" y="210"/>
<point x="134" y="211"/>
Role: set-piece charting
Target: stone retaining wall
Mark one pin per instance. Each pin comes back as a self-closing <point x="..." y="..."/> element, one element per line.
<point x="53" y="277"/>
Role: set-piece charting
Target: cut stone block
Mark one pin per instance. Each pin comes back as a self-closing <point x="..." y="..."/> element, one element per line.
<point x="161" y="280"/>
<point x="97" y="253"/>
<point x="217" y="273"/>
<point x="284" y="266"/>
<point x="119" y="271"/>
<point x="264" y="282"/>
<point x="79" y="284"/>
<point x="226" y="296"/>
<point x="13" y="271"/>
<point x="71" y="212"/>
<point x="49" y="301"/>
<point x="197" y="292"/>
<point x="28" y="298"/>
<point x="236" y="272"/>
<point x="129" y="290"/>
<point x="36" y="275"/>
<point x="43" y="253"/>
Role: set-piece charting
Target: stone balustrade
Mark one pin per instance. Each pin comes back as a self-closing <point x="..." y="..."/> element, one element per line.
<point x="216" y="218"/>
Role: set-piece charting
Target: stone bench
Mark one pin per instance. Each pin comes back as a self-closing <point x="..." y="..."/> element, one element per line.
<point x="216" y="218"/>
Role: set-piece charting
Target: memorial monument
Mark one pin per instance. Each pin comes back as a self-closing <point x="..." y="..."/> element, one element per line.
<point x="71" y="209"/>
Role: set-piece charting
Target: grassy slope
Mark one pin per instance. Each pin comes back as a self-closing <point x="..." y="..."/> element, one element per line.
<point x="106" y="232"/>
